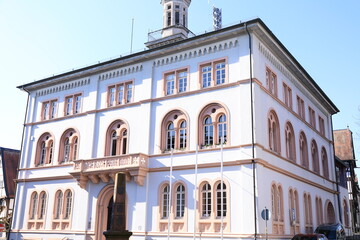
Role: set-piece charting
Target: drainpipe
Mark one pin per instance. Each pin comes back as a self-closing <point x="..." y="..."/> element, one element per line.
<point x="252" y="133"/>
<point x="21" y="148"/>
<point x="336" y="175"/>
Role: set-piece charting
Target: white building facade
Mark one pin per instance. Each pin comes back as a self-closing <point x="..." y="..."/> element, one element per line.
<point x="209" y="131"/>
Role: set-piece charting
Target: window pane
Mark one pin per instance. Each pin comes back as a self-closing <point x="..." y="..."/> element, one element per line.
<point x="129" y="89"/>
<point x="77" y="104"/>
<point x="208" y="131"/>
<point x="165" y="202"/>
<point x="45" y="111"/>
<point x="34" y="206"/>
<point x="220" y="73"/>
<point x="170" y="142"/>
<point x="182" y="81"/>
<point x="182" y="133"/>
<point x="170" y="84"/>
<point x="69" y="104"/>
<point x="59" y="199"/>
<point x="68" y="205"/>
<point x="206" y="76"/>
<point x="42" y="206"/>
<point x="120" y="94"/>
<point x="111" y="96"/>
<point x="53" y="109"/>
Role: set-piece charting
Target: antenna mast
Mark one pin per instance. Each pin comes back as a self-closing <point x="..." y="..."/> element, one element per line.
<point x="132" y="33"/>
<point x="217" y="18"/>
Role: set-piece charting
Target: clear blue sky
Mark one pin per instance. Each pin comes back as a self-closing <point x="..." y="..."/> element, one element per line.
<point x="39" y="38"/>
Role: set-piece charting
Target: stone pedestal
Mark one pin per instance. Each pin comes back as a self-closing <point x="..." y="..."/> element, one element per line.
<point x="118" y="219"/>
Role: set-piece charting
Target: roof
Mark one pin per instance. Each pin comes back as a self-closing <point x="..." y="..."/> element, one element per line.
<point x="343" y="144"/>
<point x="256" y="26"/>
<point x="10" y="162"/>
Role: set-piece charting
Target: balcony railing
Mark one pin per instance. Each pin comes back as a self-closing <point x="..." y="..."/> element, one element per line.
<point x="135" y="166"/>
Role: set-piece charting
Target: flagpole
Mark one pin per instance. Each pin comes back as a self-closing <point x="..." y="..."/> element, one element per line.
<point x="222" y="188"/>
<point x="170" y="193"/>
<point x="195" y="189"/>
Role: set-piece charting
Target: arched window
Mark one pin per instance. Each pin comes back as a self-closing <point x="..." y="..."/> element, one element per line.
<point x="213" y="126"/>
<point x="182" y="133"/>
<point x="274" y="132"/>
<point x="330" y="212"/>
<point x="222" y="131"/>
<point x="294" y="211"/>
<point x="34" y="205"/>
<point x="68" y="204"/>
<point x="68" y="146"/>
<point x="315" y="156"/>
<point x="180" y="201"/>
<point x="37" y="210"/>
<point x="170" y="136"/>
<point x="165" y="201"/>
<point x="324" y="161"/>
<point x="117" y="139"/>
<point x="221" y="200"/>
<point x="44" y="153"/>
<point x="42" y="205"/>
<point x="214" y="201"/>
<point x="206" y="200"/>
<point x="277" y="209"/>
<point x="308" y="213"/>
<point x="58" y="204"/>
<point x="174" y="131"/>
<point x="208" y="131"/>
<point x="319" y="211"/>
<point x="62" y="209"/>
<point x="304" y="160"/>
<point x="290" y="142"/>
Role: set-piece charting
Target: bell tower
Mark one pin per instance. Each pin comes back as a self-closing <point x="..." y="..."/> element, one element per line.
<point x="175" y="15"/>
<point x="175" y="24"/>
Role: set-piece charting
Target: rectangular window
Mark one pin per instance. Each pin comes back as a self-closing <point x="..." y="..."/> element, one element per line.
<point x="301" y="107"/>
<point x="120" y="93"/>
<point x="49" y="109"/>
<point x="72" y="104"/>
<point x="321" y="126"/>
<point x="177" y="18"/>
<point x="176" y="81"/>
<point x="312" y="119"/>
<point x="168" y="19"/>
<point x="213" y="73"/>
<point x="287" y="95"/>
<point x="271" y="82"/>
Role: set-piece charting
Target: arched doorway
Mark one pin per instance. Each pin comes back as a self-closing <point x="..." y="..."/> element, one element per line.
<point x="330" y="213"/>
<point x="103" y="211"/>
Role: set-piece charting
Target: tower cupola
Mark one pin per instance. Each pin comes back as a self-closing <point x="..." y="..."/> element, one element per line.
<point x="175" y="17"/>
<point x="175" y="24"/>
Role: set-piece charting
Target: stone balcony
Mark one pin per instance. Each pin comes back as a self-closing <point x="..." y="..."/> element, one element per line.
<point x="135" y="166"/>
